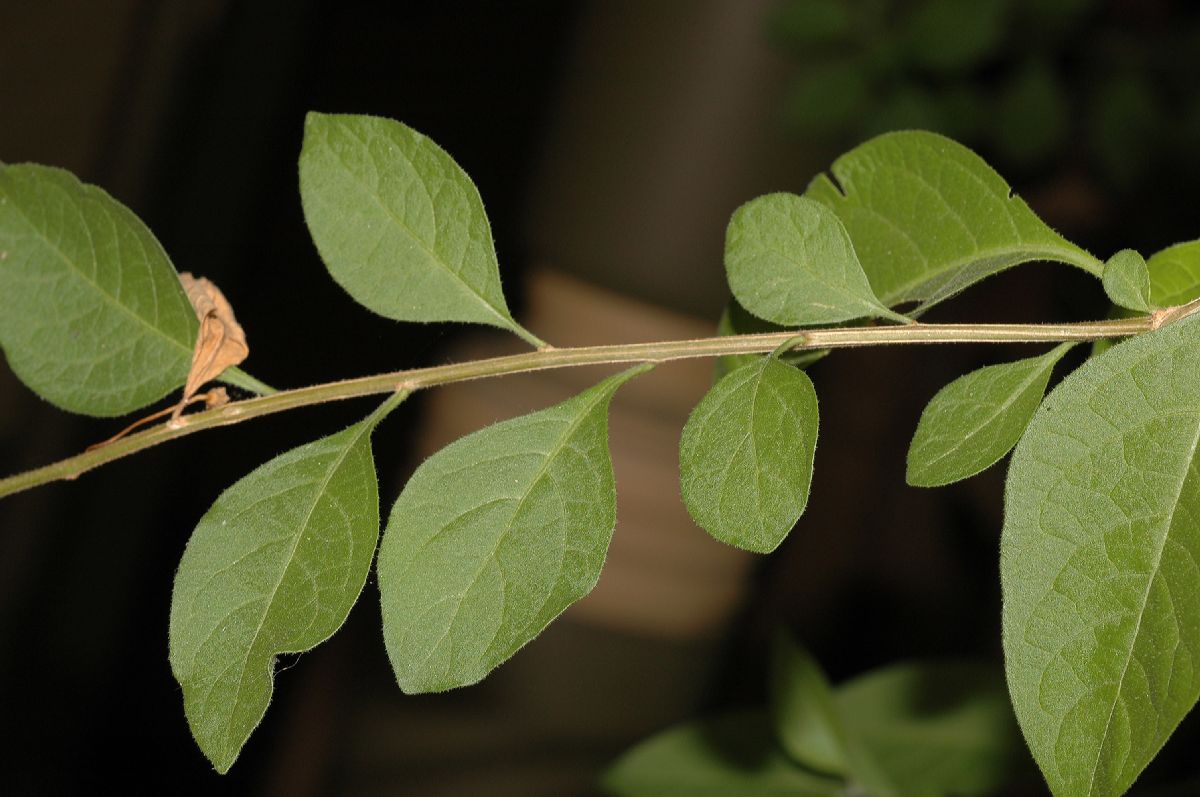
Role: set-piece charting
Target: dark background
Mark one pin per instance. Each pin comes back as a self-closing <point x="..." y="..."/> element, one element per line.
<point x="610" y="142"/>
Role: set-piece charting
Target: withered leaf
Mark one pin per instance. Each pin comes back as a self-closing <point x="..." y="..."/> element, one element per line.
<point x="221" y="343"/>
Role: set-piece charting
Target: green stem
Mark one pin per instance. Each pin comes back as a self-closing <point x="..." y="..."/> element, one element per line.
<point x="407" y="381"/>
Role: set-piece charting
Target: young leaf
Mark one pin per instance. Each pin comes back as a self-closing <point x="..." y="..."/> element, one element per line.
<point x="1175" y="274"/>
<point x="273" y="567"/>
<point x="790" y="261"/>
<point x="976" y="419"/>
<point x="1098" y="563"/>
<point x="493" y="537"/>
<point x="399" y="224"/>
<point x="92" y="316"/>
<point x="1127" y="281"/>
<point x="802" y="709"/>
<point x="730" y="755"/>
<point x="940" y="729"/>
<point x="928" y="217"/>
<point x="746" y="454"/>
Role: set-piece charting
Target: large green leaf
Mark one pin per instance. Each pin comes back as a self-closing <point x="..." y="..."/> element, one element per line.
<point x="92" y="314"/>
<point x="790" y="261"/>
<point x="806" y="720"/>
<point x="493" y="537"/>
<point x="976" y="419"/>
<point x="731" y="755"/>
<point x="746" y="454"/>
<point x="398" y="223"/>
<point x="1127" y="281"/>
<point x="928" y="217"/>
<point x="1099" y="563"/>
<point x="938" y="729"/>
<point x="273" y="567"/>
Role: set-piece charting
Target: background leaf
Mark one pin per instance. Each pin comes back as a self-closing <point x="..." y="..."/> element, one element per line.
<point x="928" y="217"/>
<point x="731" y="755"/>
<point x="493" y="537"/>
<point x="976" y="419"/>
<point x="1127" y="281"/>
<point x="92" y="315"/>
<point x="1098" y="563"/>
<point x="399" y="225"/>
<point x="746" y="454"/>
<point x="789" y="261"/>
<point x="932" y="729"/>
<point x="273" y="567"/>
<point x="806" y="721"/>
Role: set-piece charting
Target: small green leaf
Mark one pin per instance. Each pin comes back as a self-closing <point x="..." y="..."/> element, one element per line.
<point x="789" y="261"/>
<point x="802" y="709"/>
<point x="928" y="218"/>
<point x="730" y="755"/>
<point x="493" y="537"/>
<point x="976" y="419"/>
<point x="938" y="729"/>
<point x="1127" y="281"/>
<point x="736" y="320"/>
<point x="399" y="224"/>
<point x="273" y="567"/>
<point x="1175" y="274"/>
<point x="1098" y="563"/>
<point x="746" y="454"/>
<point x="92" y="316"/>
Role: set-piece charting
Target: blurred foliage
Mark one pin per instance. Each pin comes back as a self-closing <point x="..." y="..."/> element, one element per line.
<point x="1042" y="88"/>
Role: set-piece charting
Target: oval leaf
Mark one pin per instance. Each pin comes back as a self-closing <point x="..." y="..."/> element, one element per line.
<point x="730" y="755"/>
<point x="976" y="419"/>
<point x="746" y="454"/>
<point x="1127" y="281"/>
<point x="1175" y="274"/>
<point x="273" y="567"/>
<point x="936" y="729"/>
<point x="802" y="709"/>
<point x="398" y="223"/>
<point x="928" y="217"/>
<point x="1098" y="563"/>
<point x="790" y="261"/>
<point x="92" y="316"/>
<point x="493" y="537"/>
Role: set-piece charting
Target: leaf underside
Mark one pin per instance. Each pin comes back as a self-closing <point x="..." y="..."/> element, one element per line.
<point x="493" y="537"/>
<point x="1098" y="563"/>
<point x="92" y="314"/>
<point x="746" y="454"/>
<point x="928" y="218"/>
<point x="273" y="567"/>
<point x="398" y="223"/>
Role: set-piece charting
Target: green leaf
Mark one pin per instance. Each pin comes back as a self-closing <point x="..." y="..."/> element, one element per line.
<point x="273" y="567"/>
<point x="1175" y="274"/>
<point x="730" y="755"/>
<point x="802" y="709"/>
<point x="92" y="315"/>
<point x="399" y="224"/>
<point x="930" y="730"/>
<point x="1127" y="281"/>
<point x="976" y="419"/>
<point x="736" y="320"/>
<point x="928" y="218"/>
<point x="1098" y="563"/>
<point x="493" y="537"/>
<point x="789" y="261"/>
<point x="746" y="454"/>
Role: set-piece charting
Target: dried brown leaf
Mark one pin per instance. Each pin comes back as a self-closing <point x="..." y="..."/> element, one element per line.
<point x="221" y="343"/>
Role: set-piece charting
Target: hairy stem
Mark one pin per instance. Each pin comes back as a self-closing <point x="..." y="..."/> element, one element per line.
<point x="546" y="358"/>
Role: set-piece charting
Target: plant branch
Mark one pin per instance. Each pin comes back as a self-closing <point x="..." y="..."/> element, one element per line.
<point x="415" y="379"/>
